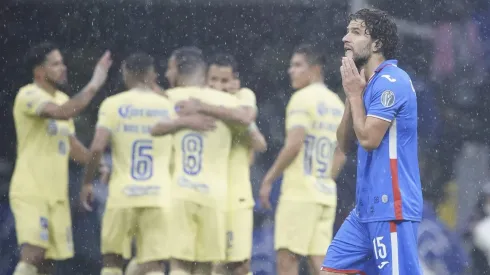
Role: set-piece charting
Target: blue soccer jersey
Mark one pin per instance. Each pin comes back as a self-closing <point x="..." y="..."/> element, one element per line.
<point x="388" y="180"/>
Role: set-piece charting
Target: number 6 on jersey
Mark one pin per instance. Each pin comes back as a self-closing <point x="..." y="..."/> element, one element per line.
<point x="142" y="160"/>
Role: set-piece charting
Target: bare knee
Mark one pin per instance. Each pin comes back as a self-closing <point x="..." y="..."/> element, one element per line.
<point x="241" y="268"/>
<point x="32" y="254"/>
<point x="287" y="261"/>
<point x="153" y="266"/>
<point x="184" y="266"/>
<point x="203" y="268"/>
<point x="112" y="260"/>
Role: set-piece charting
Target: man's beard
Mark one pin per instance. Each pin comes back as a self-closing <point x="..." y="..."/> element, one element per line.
<point x="361" y="61"/>
<point x="64" y="87"/>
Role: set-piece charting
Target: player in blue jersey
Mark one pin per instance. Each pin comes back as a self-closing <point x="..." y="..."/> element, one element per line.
<point x="380" y="234"/>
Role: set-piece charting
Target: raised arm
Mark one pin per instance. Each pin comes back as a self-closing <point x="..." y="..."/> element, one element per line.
<point x="77" y="103"/>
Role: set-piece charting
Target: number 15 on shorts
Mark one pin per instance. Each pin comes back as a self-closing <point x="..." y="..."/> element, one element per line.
<point x="380" y="251"/>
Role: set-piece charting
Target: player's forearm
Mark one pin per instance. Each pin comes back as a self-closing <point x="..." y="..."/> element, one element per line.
<point x="285" y="158"/>
<point x="257" y="140"/>
<point x="345" y="131"/>
<point x="238" y="115"/>
<point x="167" y="127"/>
<point x="78" y="152"/>
<point x="359" y="120"/>
<point x="338" y="163"/>
<point x="72" y="107"/>
<point x="92" y="166"/>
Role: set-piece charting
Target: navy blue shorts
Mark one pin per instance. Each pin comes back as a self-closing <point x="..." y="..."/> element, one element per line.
<point x="384" y="248"/>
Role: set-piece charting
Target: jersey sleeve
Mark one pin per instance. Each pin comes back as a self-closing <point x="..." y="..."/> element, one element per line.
<point x="386" y="100"/>
<point x="297" y="113"/>
<point x="247" y="98"/>
<point x="32" y="101"/>
<point x="71" y="127"/>
<point x="107" y="118"/>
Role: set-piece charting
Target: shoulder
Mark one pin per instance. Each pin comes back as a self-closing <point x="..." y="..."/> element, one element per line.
<point x="246" y="92"/>
<point x="223" y="97"/>
<point x="29" y="90"/>
<point x="393" y="79"/>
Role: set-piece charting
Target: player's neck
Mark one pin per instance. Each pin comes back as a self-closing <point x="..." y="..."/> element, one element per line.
<point x="141" y="86"/>
<point x="50" y="89"/>
<point x="316" y="80"/>
<point x="191" y="81"/>
<point x="372" y="65"/>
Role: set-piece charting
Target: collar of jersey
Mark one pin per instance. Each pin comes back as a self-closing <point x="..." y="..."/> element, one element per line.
<point x="386" y="63"/>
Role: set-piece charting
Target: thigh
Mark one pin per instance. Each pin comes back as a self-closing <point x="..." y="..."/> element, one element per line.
<point x="295" y="225"/>
<point x="152" y="235"/>
<point x="60" y="231"/>
<point x="211" y="235"/>
<point x="31" y="221"/>
<point x="395" y="247"/>
<point x="323" y="231"/>
<point x="351" y="249"/>
<point x="239" y="235"/>
<point x="183" y="230"/>
<point x="117" y="230"/>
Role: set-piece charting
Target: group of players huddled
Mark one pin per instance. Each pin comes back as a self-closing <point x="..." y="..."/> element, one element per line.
<point x="179" y="186"/>
<point x="180" y="180"/>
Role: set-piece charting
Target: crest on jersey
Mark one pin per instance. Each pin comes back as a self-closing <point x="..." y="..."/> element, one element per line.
<point x="388" y="98"/>
<point x="321" y="109"/>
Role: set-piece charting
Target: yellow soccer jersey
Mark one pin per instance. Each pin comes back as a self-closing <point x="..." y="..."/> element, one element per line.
<point x="140" y="163"/>
<point x="308" y="178"/>
<point x="240" y="188"/>
<point x="201" y="158"/>
<point x="43" y="147"/>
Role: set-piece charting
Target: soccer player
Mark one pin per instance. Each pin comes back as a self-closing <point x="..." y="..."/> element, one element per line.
<point x="139" y="189"/>
<point x="201" y="166"/>
<point x="45" y="142"/>
<point x="380" y="234"/>
<point x="223" y="75"/>
<point x="310" y="161"/>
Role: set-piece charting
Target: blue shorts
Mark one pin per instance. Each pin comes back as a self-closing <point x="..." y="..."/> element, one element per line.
<point x="384" y="248"/>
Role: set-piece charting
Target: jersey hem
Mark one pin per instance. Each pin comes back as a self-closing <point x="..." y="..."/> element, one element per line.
<point x="380" y="117"/>
<point x="405" y="218"/>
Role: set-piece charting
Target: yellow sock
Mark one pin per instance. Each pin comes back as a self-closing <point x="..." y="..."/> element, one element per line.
<point x="111" y="271"/>
<point x="132" y="268"/>
<point x="155" y="273"/>
<point x="24" y="268"/>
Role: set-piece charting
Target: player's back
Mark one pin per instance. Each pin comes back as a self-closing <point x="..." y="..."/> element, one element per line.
<point x="201" y="158"/>
<point x="43" y="146"/>
<point x="141" y="163"/>
<point x="308" y="178"/>
<point x="388" y="179"/>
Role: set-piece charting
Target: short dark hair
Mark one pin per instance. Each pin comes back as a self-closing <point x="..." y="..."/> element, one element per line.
<point x="189" y="60"/>
<point x="382" y="28"/>
<point x="139" y="63"/>
<point x="224" y="60"/>
<point x="314" y="56"/>
<point x="36" y="55"/>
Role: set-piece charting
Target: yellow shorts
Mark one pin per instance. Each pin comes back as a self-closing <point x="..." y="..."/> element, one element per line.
<point x="198" y="232"/>
<point x="149" y="227"/>
<point x="239" y="235"/>
<point x="304" y="228"/>
<point x="43" y="224"/>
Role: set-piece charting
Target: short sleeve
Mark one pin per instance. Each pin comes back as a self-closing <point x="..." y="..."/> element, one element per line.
<point x="32" y="101"/>
<point x="247" y="98"/>
<point x="386" y="100"/>
<point x="297" y="113"/>
<point x="107" y="118"/>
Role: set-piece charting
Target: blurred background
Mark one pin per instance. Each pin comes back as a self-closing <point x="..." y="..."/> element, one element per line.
<point x="445" y="47"/>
